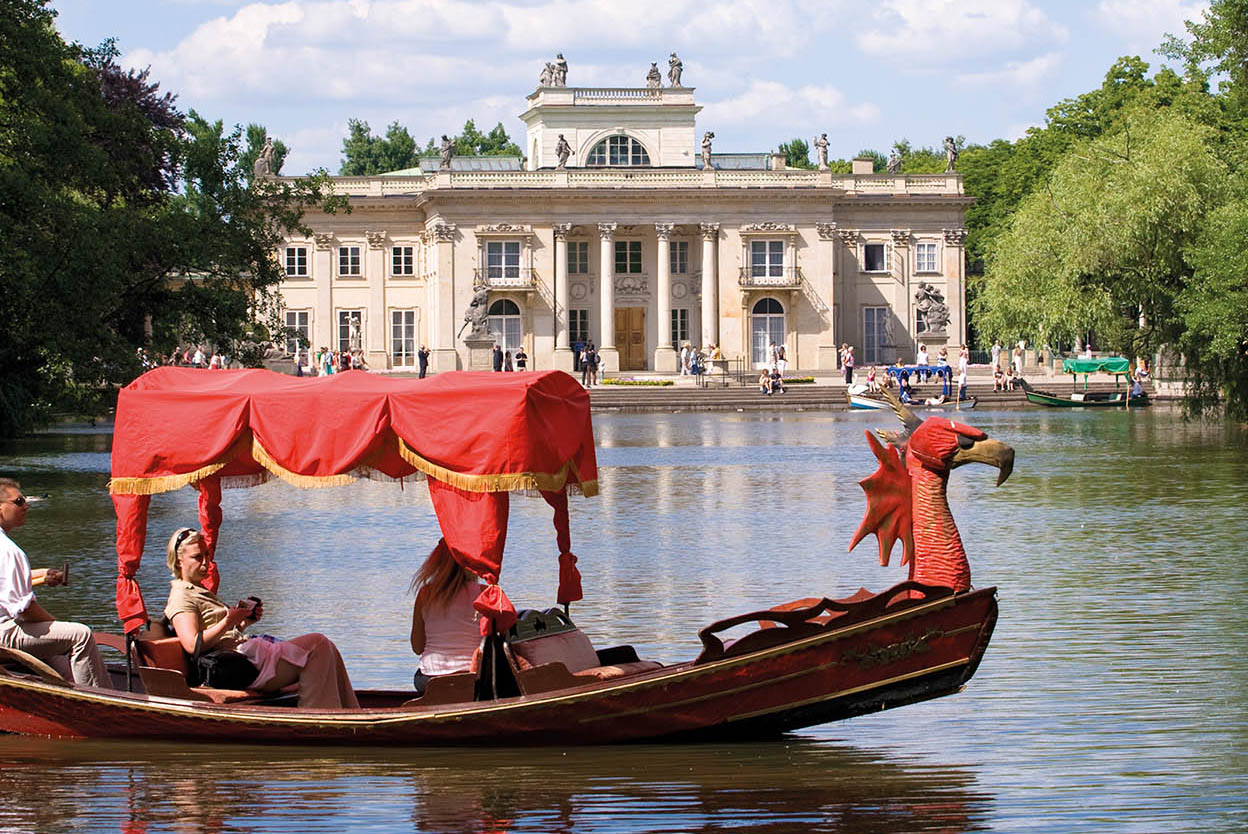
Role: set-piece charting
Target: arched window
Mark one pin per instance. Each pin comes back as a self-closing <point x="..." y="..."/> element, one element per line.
<point x="618" y="150"/>
<point x="503" y="322"/>
<point x="766" y="326"/>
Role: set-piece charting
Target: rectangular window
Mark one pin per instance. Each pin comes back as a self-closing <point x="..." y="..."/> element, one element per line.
<point x="402" y="260"/>
<point x="767" y="258"/>
<point x="874" y="334"/>
<point x="297" y="260"/>
<point x="873" y="258"/>
<point x="627" y="256"/>
<point x="350" y="330"/>
<point x="680" y="327"/>
<point x="296" y="327"/>
<point x="925" y="257"/>
<point x="502" y="259"/>
<point x="348" y="260"/>
<point x="680" y="257"/>
<point x="578" y="327"/>
<point x="578" y="257"/>
<point x="403" y="338"/>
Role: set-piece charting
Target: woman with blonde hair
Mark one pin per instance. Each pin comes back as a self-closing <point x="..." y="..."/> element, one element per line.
<point x="203" y="622"/>
<point x="445" y="631"/>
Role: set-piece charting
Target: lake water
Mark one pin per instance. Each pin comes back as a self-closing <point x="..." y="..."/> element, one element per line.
<point x="1114" y="696"/>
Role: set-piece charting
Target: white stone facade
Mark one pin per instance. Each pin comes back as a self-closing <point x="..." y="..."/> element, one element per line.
<point x="657" y="252"/>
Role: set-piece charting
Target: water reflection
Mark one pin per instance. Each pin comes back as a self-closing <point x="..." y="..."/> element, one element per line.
<point x="796" y="785"/>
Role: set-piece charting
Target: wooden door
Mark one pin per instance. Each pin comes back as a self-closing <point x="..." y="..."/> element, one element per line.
<point x="630" y="337"/>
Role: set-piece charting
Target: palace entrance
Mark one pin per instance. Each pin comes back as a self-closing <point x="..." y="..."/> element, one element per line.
<point x="630" y="337"/>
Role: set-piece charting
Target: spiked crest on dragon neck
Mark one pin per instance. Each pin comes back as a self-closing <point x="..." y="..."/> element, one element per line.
<point x="906" y="496"/>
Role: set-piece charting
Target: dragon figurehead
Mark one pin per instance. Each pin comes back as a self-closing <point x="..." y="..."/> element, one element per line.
<point x="906" y="496"/>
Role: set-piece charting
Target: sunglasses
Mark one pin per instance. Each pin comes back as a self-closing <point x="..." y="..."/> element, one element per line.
<point x="183" y="536"/>
<point x="19" y="501"/>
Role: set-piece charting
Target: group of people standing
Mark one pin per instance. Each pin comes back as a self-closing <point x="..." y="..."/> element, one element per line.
<point x="585" y="358"/>
<point x="505" y="361"/>
<point x="694" y="362"/>
<point x="326" y="362"/>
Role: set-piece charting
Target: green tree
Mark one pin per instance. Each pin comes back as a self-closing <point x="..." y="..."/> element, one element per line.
<point x="796" y="153"/>
<point x="1218" y="45"/>
<point x="364" y="154"/>
<point x="1101" y="246"/>
<point x="121" y="216"/>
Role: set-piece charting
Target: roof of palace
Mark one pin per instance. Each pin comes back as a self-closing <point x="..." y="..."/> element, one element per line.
<point x="430" y="164"/>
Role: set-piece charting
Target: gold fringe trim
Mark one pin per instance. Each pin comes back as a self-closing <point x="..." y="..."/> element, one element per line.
<point x="266" y="460"/>
<point x="502" y="482"/>
<point x="164" y="483"/>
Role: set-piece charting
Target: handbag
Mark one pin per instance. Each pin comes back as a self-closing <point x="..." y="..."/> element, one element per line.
<point x="220" y="668"/>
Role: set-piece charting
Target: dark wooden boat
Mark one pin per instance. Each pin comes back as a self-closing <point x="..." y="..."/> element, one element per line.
<point x="1083" y="399"/>
<point x="803" y="663"/>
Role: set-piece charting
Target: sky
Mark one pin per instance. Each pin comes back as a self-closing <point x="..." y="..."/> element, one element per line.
<point x="866" y="72"/>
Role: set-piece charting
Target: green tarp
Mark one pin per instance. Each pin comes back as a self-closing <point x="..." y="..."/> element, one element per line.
<point x="1107" y="365"/>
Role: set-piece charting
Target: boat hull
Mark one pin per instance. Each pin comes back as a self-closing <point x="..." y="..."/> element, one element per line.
<point x="899" y="657"/>
<point x="1116" y="400"/>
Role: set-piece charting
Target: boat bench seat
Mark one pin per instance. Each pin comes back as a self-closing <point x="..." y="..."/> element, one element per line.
<point x="546" y="651"/>
<point x="163" y="666"/>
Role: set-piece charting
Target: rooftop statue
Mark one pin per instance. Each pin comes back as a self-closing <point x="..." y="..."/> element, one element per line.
<point x="560" y="76"/>
<point x="547" y="76"/>
<point x="562" y="150"/>
<point x="821" y="149"/>
<point x="264" y="162"/>
<point x="448" y="150"/>
<point x="674" y="69"/>
<point x="706" y="150"/>
<point x="654" y="78"/>
<point x="951" y="154"/>
<point x="894" y="162"/>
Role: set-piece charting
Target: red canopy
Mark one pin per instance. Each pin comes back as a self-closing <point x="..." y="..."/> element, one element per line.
<point x="475" y="436"/>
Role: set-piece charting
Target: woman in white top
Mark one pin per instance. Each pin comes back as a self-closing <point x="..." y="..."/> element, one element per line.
<point x="445" y="631"/>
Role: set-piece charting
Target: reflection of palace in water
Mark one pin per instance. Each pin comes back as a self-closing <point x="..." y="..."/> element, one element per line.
<point x="636" y="244"/>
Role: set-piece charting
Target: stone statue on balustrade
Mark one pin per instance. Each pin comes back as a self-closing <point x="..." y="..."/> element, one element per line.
<point x="951" y="154"/>
<point x="674" y="69"/>
<point x="559" y="77"/>
<point x="821" y="151"/>
<point x="706" y="150"/>
<point x="448" y="151"/>
<point x="562" y="150"/>
<point x="474" y="316"/>
<point x="894" y="162"/>
<point x="931" y="307"/>
<point x="264" y="162"/>
<point x="654" y="78"/>
<point x="547" y="77"/>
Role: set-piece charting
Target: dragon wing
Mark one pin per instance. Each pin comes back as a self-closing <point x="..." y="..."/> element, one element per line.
<point x="889" y="510"/>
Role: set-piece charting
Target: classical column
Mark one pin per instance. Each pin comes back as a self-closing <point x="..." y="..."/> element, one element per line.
<point x="710" y="285"/>
<point x="665" y="361"/>
<point x="563" y="349"/>
<point x="442" y="322"/>
<point x="955" y="241"/>
<point x="375" y="342"/>
<point x="324" y="328"/>
<point x="608" y="356"/>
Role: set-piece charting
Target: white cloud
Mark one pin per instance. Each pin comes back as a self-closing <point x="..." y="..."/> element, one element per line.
<point x="1015" y="73"/>
<point x="1143" y="23"/>
<point x="785" y="110"/>
<point x="945" y="32"/>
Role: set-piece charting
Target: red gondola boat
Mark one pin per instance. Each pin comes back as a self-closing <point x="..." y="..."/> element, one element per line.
<point x="476" y="437"/>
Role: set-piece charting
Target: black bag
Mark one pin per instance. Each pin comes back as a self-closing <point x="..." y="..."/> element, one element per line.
<point x="223" y="670"/>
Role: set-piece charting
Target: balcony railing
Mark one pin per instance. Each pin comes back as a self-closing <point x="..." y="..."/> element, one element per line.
<point x="789" y="277"/>
<point x="520" y="278"/>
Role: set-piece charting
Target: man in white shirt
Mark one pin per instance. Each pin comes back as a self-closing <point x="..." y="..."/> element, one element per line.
<point x="24" y="624"/>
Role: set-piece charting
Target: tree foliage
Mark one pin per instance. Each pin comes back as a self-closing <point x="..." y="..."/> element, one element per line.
<point x="366" y="154"/>
<point x="120" y="214"/>
<point x="796" y="154"/>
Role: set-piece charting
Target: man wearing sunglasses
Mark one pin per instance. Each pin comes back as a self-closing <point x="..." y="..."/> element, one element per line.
<point x="24" y="624"/>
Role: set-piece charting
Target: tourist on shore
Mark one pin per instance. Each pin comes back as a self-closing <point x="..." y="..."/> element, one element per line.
<point x="522" y="359"/>
<point x="203" y="622"/>
<point x="1018" y="362"/>
<point x="24" y="624"/>
<point x="1010" y="378"/>
<point x="962" y="384"/>
<point x="922" y="360"/>
<point x="996" y="353"/>
<point x="197" y="360"/>
<point x="764" y="382"/>
<point x="498" y="358"/>
<point x="507" y="366"/>
<point x="445" y="631"/>
<point x="777" y="382"/>
<point x="422" y="359"/>
<point x="848" y="364"/>
<point x="998" y="379"/>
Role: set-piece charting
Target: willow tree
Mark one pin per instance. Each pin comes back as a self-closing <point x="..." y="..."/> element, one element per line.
<point x="1103" y="244"/>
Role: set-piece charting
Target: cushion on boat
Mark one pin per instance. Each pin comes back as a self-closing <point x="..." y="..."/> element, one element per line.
<point x="619" y="670"/>
<point x="571" y="648"/>
<point x="165" y="653"/>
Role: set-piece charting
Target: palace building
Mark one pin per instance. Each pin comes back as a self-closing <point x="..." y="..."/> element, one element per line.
<point x="632" y="241"/>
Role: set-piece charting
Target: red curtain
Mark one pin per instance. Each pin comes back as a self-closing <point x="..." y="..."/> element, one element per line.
<point x="210" y="523"/>
<point x="131" y="533"/>
<point x="569" y="576"/>
<point x="474" y="527"/>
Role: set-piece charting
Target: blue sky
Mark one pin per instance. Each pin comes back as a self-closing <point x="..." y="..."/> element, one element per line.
<point x="867" y="73"/>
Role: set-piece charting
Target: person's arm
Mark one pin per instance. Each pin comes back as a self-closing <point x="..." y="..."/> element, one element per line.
<point x="36" y="613"/>
<point x="186" y="626"/>
<point x="418" y="628"/>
